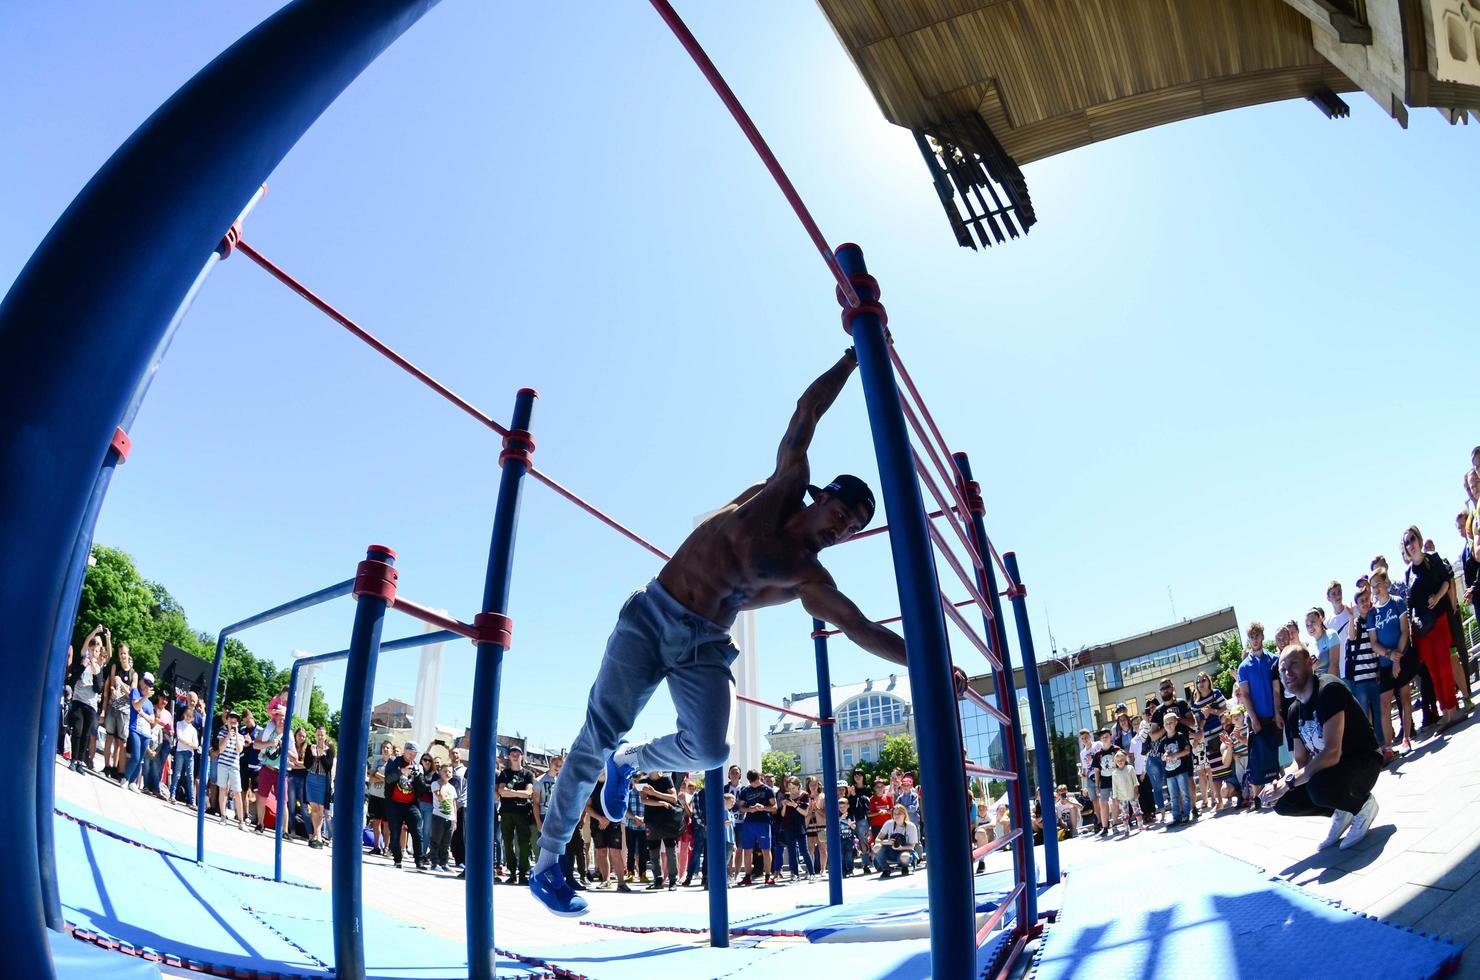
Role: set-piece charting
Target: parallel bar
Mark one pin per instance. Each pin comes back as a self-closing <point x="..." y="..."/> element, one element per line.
<point x="716" y="857"/>
<point x="1015" y="895"/>
<point x="976" y="641"/>
<point x="1039" y="722"/>
<point x="940" y="497"/>
<point x="884" y="528"/>
<point x="336" y="591"/>
<point x="1006" y="775"/>
<point x="758" y="142"/>
<point x="951" y="893"/>
<point x="283" y="816"/>
<point x="824" y="720"/>
<point x="433" y="618"/>
<point x="1008" y="838"/>
<point x="891" y="619"/>
<point x="973" y="588"/>
<point x="348" y="821"/>
<point x="829" y="768"/>
<point x="483" y="760"/>
<point x="627" y="533"/>
<point x="1017" y="758"/>
<point x="987" y="706"/>
<point x="1016" y="950"/>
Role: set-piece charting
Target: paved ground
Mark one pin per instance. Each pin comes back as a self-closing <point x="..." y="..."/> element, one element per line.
<point x="1419" y="867"/>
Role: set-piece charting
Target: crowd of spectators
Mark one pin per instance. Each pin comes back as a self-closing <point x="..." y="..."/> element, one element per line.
<point x="1314" y="717"/>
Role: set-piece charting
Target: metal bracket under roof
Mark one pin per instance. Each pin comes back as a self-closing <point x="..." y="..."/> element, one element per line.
<point x="980" y="185"/>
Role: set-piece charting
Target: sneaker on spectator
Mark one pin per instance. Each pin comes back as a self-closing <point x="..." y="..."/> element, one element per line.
<point x="554" y="892"/>
<point x="1362" y="823"/>
<point x="1340" y="820"/>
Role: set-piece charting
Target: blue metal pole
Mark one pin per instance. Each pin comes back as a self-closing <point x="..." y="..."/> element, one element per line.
<point x="483" y="759"/>
<point x="157" y="208"/>
<point x="829" y="766"/>
<point x="277" y="831"/>
<point x="204" y="763"/>
<point x="375" y="589"/>
<point x="950" y="889"/>
<point x="335" y="591"/>
<point x="716" y="860"/>
<point x="1042" y="762"/>
<point x="986" y="582"/>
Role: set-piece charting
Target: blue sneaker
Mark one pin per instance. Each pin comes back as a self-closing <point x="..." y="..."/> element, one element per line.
<point x="614" y="792"/>
<point x="554" y="892"/>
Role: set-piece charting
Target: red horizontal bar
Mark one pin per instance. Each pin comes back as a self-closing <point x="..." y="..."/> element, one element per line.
<point x="1000" y="911"/>
<point x="981" y="702"/>
<point x="630" y="535"/>
<point x="885" y="622"/>
<point x="395" y="358"/>
<point x="884" y="528"/>
<point x="955" y="563"/>
<point x="784" y="711"/>
<point x="976" y="641"/>
<point x="417" y="611"/>
<point x="950" y="512"/>
<point x="976" y="770"/>
<point x="1002" y="841"/>
<point x="1018" y="945"/>
<point x="757" y="142"/>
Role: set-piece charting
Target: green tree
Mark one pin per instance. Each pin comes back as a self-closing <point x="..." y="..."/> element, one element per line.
<point x="781" y="764"/>
<point x="1229" y="653"/>
<point x="898" y="752"/>
<point x="115" y="595"/>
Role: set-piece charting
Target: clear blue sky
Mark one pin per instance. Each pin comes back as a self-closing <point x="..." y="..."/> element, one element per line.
<point x="1230" y="360"/>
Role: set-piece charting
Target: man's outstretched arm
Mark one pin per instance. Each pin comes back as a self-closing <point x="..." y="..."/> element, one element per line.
<point x="823" y="600"/>
<point x="816" y="400"/>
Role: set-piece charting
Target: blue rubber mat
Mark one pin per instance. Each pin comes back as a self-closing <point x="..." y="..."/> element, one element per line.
<point x="646" y="957"/>
<point x="182" y="849"/>
<point x="1201" y="912"/>
<point x="76" y="960"/>
<point x="206" y="918"/>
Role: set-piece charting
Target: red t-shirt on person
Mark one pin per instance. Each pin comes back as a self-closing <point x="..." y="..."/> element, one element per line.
<point x="880" y="809"/>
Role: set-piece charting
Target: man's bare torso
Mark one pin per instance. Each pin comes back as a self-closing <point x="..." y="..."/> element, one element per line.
<point x="742" y="558"/>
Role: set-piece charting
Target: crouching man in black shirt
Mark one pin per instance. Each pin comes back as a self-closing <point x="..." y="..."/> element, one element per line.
<point x="1335" y="752"/>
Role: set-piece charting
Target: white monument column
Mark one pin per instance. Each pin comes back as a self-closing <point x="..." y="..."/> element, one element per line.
<point x="745" y="731"/>
<point x="304" y="691"/>
<point x="428" y="687"/>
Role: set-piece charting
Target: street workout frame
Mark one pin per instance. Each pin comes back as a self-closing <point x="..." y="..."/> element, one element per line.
<point x="153" y="211"/>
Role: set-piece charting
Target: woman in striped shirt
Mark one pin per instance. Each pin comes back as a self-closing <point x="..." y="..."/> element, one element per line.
<point x="1364" y="670"/>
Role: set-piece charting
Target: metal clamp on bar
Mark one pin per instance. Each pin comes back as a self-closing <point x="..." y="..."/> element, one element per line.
<point x="121" y="443"/>
<point x="518" y="444"/>
<point x="821" y="634"/>
<point x="230" y="239"/>
<point x="1016" y="590"/>
<point x="974" y="497"/>
<point x="867" y="306"/>
<point x="492" y="627"/>
<point x="865" y="285"/>
<point x="376" y="578"/>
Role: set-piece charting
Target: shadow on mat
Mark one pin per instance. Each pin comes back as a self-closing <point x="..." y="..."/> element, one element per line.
<point x="1333" y="862"/>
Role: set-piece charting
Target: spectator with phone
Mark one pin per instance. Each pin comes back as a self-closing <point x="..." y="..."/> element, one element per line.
<point x="88" y="686"/>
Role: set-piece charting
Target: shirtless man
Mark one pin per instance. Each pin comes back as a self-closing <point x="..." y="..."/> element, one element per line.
<point x="758" y="550"/>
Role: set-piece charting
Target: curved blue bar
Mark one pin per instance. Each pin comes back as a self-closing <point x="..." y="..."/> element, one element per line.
<point x="483" y="756"/>
<point x="157" y="208"/>
<point x="829" y="766"/>
<point x="1042" y="762"/>
<point x="949" y="884"/>
<point x="1017" y="758"/>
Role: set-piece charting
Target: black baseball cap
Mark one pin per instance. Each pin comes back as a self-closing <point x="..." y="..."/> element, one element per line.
<point x="851" y="491"/>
